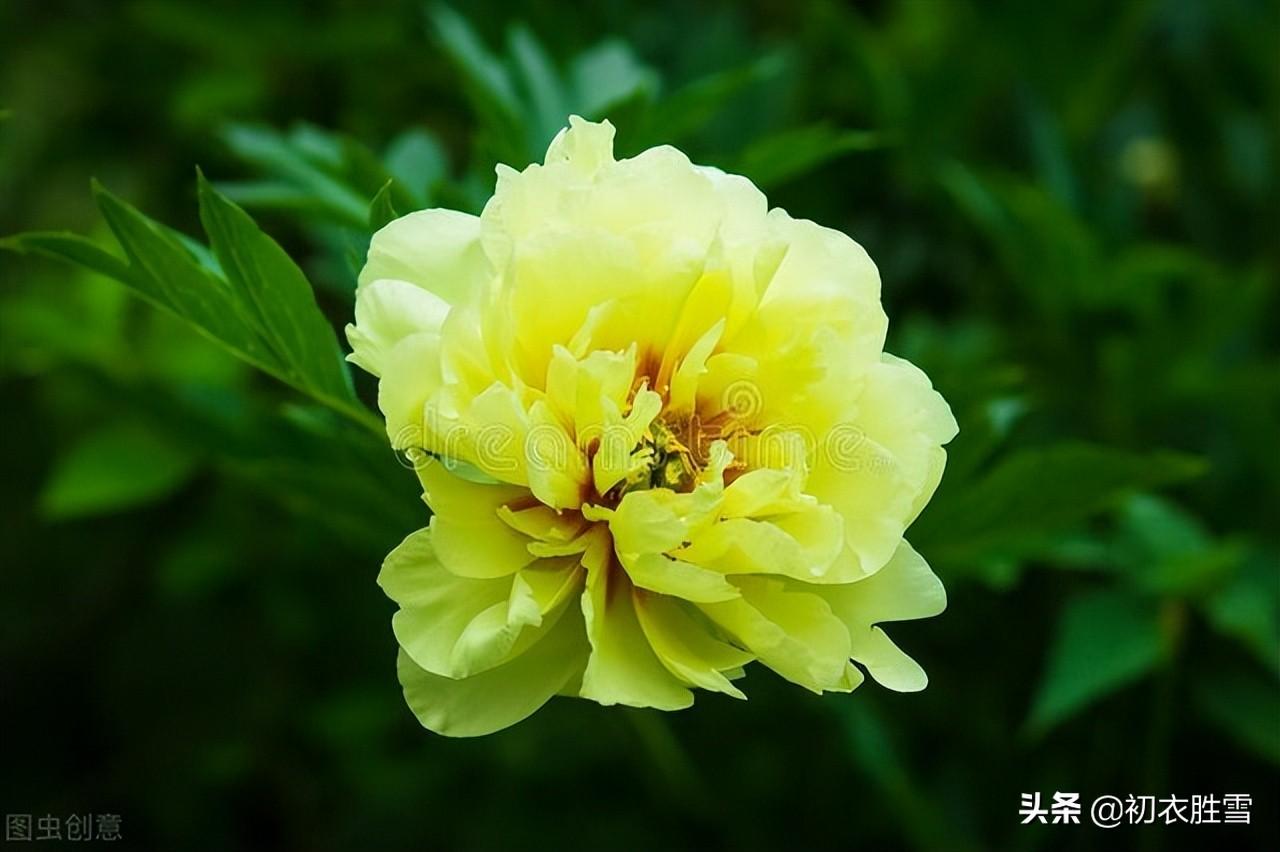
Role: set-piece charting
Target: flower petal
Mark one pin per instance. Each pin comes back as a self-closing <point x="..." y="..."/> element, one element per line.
<point x="793" y="633"/>
<point x="658" y="572"/>
<point x="387" y="311"/>
<point x="879" y="466"/>
<point x="686" y="647"/>
<point x="410" y="375"/>
<point x="469" y="534"/>
<point x="622" y="668"/>
<point x="905" y="588"/>
<point x="435" y="605"/>
<point x="798" y="544"/>
<point x="500" y="697"/>
<point x="437" y="250"/>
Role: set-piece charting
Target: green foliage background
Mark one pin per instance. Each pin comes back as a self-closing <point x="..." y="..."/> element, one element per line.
<point x="1074" y="207"/>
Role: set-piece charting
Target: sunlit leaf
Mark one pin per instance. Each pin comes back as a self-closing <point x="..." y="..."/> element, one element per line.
<point x="262" y="309"/>
<point x="417" y="161"/>
<point x="115" y="468"/>
<point x="278" y="294"/>
<point x="275" y="155"/>
<point x="546" y="90"/>
<point x="607" y="75"/>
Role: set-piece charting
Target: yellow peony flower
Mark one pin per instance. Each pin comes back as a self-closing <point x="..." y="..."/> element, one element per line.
<point x="659" y="436"/>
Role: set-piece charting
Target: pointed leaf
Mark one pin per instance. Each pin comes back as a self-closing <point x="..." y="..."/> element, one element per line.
<point x="274" y="289"/>
<point x="1104" y="641"/>
<point x="112" y="469"/>
<point x="1036" y="491"/>
<point x="164" y="271"/>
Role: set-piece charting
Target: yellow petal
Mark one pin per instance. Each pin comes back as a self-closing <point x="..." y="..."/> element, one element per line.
<point x="793" y="633"/>
<point x="508" y="628"/>
<point x="686" y="647"/>
<point x="800" y="544"/>
<point x="905" y="588"/>
<point x="660" y="573"/>
<point x="766" y="491"/>
<point x="603" y="383"/>
<point x="410" y="375"/>
<point x="437" y="250"/>
<point x="436" y="605"/>
<point x="586" y="145"/>
<point x="684" y="384"/>
<point x="542" y="523"/>
<point x="658" y="519"/>
<point x="557" y="471"/>
<point x="501" y="696"/>
<point x="622" y="668"/>
<point x="387" y="312"/>
<point x="616" y="457"/>
<point x="880" y="464"/>
<point x="470" y="536"/>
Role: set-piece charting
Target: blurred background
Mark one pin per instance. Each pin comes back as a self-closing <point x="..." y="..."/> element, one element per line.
<point x="1074" y="208"/>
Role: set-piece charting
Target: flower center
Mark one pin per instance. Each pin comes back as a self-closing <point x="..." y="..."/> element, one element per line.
<point x="672" y="462"/>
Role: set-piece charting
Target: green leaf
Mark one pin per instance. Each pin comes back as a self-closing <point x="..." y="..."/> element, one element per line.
<point x="550" y="101"/>
<point x="1104" y="641"/>
<point x="417" y="161"/>
<point x="381" y="210"/>
<point x="773" y="160"/>
<point x="272" y="195"/>
<point x="607" y="75"/>
<point x="164" y="271"/>
<point x="1243" y="706"/>
<point x="262" y="309"/>
<point x="274" y="289"/>
<point x="466" y="49"/>
<point x="1167" y="551"/>
<point x="1035" y="491"/>
<point x="1247" y="608"/>
<point x="485" y="78"/>
<point x="688" y="109"/>
<point x="278" y="157"/>
<point x="71" y="248"/>
<point x="114" y="468"/>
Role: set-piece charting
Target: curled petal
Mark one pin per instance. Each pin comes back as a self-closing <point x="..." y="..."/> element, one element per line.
<point x="793" y="633"/>
<point x="470" y="534"/>
<point x="437" y="250"/>
<point x="903" y="589"/>
<point x="686" y="646"/>
<point x="500" y="697"/>
<point x="388" y="311"/>
<point x="623" y="668"/>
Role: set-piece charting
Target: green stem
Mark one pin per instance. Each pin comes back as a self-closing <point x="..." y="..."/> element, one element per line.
<point x="1160" y="728"/>
<point x="683" y="782"/>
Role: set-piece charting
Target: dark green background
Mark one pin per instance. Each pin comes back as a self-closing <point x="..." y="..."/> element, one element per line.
<point x="1074" y="208"/>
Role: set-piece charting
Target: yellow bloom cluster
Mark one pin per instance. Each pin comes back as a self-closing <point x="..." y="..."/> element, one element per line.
<point x="659" y="437"/>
